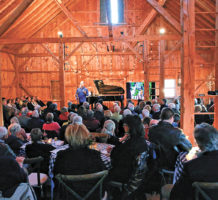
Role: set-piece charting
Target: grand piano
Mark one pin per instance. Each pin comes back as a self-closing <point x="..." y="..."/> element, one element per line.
<point x="107" y="93"/>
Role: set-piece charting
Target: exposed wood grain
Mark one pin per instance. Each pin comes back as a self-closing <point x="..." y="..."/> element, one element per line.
<point x="14" y="16"/>
<point x="165" y="14"/>
<point x="50" y="52"/>
<point x="162" y="71"/>
<point x="61" y="75"/>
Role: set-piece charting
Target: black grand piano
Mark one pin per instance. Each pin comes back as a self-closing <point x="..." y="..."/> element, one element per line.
<point x="106" y="93"/>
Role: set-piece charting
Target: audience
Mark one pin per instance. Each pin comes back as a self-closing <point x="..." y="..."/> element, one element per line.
<point x="91" y="123"/>
<point x="35" y="121"/>
<point x="50" y="125"/>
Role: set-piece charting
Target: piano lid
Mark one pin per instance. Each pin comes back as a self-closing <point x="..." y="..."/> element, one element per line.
<point x="108" y="89"/>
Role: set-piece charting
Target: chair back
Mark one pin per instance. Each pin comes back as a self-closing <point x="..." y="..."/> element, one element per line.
<point x="51" y="134"/>
<point x="200" y="188"/>
<point x="35" y="164"/>
<point x="100" y="176"/>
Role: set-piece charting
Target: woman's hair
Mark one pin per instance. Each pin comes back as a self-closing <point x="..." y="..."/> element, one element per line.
<point x="49" y="117"/>
<point x="14" y="120"/>
<point x="135" y="125"/>
<point x="108" y="113"/>
<point x="198" y="108"/>
<point x="64" y="109"/>
<point x="36" y="134"/>
<point x="109" y="127"/>
<point x="14" y="128"/>
<point x="77" y="135"/>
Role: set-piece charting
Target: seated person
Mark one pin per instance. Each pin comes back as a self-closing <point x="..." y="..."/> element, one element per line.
<point x="90" y="122"/>
<point x="64" y="114"/>
<point x="78" y="158"/>
<point x="116" y="115"/>
<point x="109" y="128"/>
<point x="35" y="121"/>
<point x="5" y="150"/>
<point x="165" y="136"/>
<point x="50" y="125"/>
<point x="11" y="175"/>
<point x="15" y="139"/>
<point x="37" y="148"/>
<point x="99" y="114"/>
<point x="201" y="169"/>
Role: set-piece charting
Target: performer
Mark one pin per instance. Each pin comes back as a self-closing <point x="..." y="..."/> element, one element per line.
<point x="81" y="93"/>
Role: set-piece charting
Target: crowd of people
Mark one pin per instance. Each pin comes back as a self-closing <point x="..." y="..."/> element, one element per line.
<point x="144" y="138"/>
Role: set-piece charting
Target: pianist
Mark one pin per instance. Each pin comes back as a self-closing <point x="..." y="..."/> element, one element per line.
<point x="81" y="93"/>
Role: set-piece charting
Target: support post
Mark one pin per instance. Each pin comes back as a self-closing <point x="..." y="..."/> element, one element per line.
<point x="17" y="75"/>
<point x="61" y="74"/>
<point x="1" y="106"/>
<point x="146" y="71"/>
<point x="216" y="70"/>
<point x="188" y="67"/>
<point x="161" y="87"/>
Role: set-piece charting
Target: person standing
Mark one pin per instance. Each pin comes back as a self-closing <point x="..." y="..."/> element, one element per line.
<point x="81" y="93"/>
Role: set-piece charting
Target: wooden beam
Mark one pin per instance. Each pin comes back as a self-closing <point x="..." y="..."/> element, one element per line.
<point x="146" y="71"/>
<point x="25" y="90"/>
<point x="165" y="14"/>
<point x="88" y="61"/>
<point x="175" y="48"/>
<point x="85" y="39"/>
<point x="162" y="71"/>
<point x="135" y="52"/>
<point x="14" y="16"/>
<point x="50" y="52"/>
<point x="1" y="107"/>
<point x="216" y="71"/>
<point x="73" y="52"/>
<point x="70" y="17"/>
<point x="61" y="74"/>
<point x="187" y="67"/>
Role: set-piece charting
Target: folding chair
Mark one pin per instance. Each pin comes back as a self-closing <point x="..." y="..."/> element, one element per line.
<point x="200" y="188"/>
<point x="100" y="176"/>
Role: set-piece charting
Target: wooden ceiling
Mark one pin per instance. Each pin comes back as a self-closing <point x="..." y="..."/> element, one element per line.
<point x="42" y="13"/>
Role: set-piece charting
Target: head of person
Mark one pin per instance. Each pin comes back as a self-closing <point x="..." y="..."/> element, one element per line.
<point x="82" y="84"/>
<point x="117" y="109"/>
<point x="145" y="113"/>
<point x="77" y="136"/>
<point x="14" y="129"/>
<point x="206" y="137"/>
<point x="69" y="103"/>
<point x="132" y="124"/>
<point x="172" y="105"/>
<point x="3" y="133"/>
<point x="156" y="107"/>
<point x="163" y="101"/>
<point x="141" y="105"/>
<point x="36" y="134"/>
<point x="90" y="114"/>
<point x="14" y="120"/>
<point x="167" y="114"/>
<point x="146" y="122"/>
<point x="4" y="101"/>
<point x="176" y="117"/>
<point x="71" y="116"/>
<point x="37" y="107"/>
<point x="48" y="103"/>
<point x="108" y="113"/>
<point x="24" y="111"/>
<point x="77" y="120"/>
<point x="99" y="108"/>
<point x="131" y="106"/>
<point x="198" y="108"/>
<point x="49" y="117"/>
<point x="153" y="122"/>
<point x="53" y="107"/>
<point x="64" y="110"/>
<point x="86" y="105"/>
<point x="126" y="112"/>
<point x="35" y="114"/>
<point x="109" y="127"/>
<point x="148" y="107"/>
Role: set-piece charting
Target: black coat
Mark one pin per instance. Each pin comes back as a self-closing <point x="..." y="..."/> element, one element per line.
<point x="123" y="157"/>
<point x="202" y="169"/>
<point x="79" y="161"/>
<point x="40" y="149"/>
<point x="165" y="136"/>
<point x="11" y="175"/>
<point x="35" y="123"/>
<point x="15" y="144"/>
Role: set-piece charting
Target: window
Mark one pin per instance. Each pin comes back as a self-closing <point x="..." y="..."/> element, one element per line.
<point x="116" y="9"/>
<point x="169" y="88"/>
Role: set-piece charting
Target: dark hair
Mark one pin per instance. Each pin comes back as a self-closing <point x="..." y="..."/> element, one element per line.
<point x="164" y="100"/>
<point x="206" y="136"/>
<point x="176" y="117"/>
<point x="166" y="114"/>
<point x="36" y="134"/>
<point x="135" y="125"/>
<point x="146" y="120"/>
<point x="90" y="114"/>
<point x="148" y="103"/>
<point x="48" y="103"/>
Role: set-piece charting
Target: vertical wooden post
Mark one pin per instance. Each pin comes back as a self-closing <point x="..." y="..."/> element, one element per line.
<point x="1" y="106"/>
<point x="61" y="74"/>
<point x="188" y="67"/>
<point x="17" y="75"/>
<point x="146" y="71"/>
<point x="161" y="52"/>
<point x="216" y="70"/>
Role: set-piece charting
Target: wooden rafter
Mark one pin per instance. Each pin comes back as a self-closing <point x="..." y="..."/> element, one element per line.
<point x="135" y="52"/>
<point x="74" y="50"/>
<point x="50" y="52"/>
<point x="14" y="16"/>
<point x="88" y="39"/>
<point x="162" y="70"/>
<point x="165" y="14"/>
<point x="25" y="90"/>
<point x="176" y="47"/>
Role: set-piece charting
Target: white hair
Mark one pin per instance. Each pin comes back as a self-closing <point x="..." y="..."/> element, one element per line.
<point x="14" y="120"/>
<point x="126" y="112"/>
<point x="145" y="113"/>
<point x="172" y="105"/>
<point x="109" y="127"/>
<point x="72" y="116"/>
<point x="3" y="132"/>
<point x="14" y="128"/>
<point x="117" y="109"/>
<point x="77" y="120"/>
<point x="156" y="107"/>
<point x="24" y="111"/>
<point x="35" y="114"/>
<point x="37" y="107"/>
<point x="99" y="107"/>
<point x="131" y="106"/>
